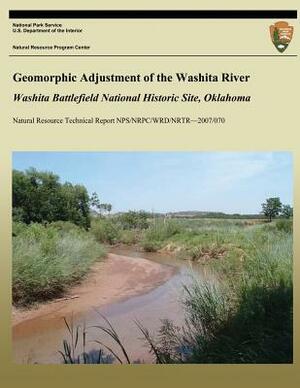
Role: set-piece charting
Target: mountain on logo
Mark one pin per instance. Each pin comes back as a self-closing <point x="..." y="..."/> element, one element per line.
<point x="281" y="35"/>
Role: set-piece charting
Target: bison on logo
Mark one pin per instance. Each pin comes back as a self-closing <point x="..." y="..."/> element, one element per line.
<point x="281" y="35"/>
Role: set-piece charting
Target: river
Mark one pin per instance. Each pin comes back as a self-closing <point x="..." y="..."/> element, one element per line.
<point x="128" y="285"/>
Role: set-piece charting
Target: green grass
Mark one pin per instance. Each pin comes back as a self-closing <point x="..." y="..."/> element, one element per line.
<point x="245" y="318"/>
<point x="285" y="225"/>
<point x="48" y="259"/>
<point x="158" y="233"/>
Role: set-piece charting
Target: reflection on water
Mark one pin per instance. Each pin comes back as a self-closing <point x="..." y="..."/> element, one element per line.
<point x="42" y="342"/>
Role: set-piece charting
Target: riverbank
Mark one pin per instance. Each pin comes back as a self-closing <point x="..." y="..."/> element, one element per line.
<point x="121" y="287"/>
<point x="116" y="278"/>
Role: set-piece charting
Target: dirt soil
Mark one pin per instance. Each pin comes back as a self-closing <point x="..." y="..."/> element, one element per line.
<point x="114" y="279"/>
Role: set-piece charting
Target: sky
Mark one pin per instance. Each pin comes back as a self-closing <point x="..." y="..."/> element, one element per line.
<point x="230" y="182"/>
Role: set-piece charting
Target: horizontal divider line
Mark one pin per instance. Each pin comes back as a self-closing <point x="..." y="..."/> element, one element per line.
<point x="153" y="14"/>
<point x="155" y="55"/>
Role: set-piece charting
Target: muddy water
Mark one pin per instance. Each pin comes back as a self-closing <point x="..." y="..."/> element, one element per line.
<point x="37" y="339"/>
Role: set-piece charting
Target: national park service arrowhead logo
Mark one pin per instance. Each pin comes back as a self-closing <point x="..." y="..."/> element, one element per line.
<point x="281" y="35"/>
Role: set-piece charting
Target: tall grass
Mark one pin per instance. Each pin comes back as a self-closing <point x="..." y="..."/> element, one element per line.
<point x="48" y="259"/>
<point x="248" y="320"/>
<point x="159" y="232"/>
<point x="165" y="348"/>
<point x="75" y="351"/>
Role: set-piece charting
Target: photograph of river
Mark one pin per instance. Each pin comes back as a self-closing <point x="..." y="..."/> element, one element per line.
<point x="152" y="257"/>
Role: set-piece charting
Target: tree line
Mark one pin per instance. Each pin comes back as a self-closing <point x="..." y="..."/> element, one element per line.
<point x="39" y="196"/>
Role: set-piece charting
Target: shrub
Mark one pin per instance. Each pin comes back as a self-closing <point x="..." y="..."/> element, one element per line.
<point x="17" y="228"/>
<point x="129" y="237"/>
<point x="106" y="230"/>
<point x="151" y="246"/>
<point x="47" y="260"/>
<point x="134" y="220"/>
<point x="65" y="226"/>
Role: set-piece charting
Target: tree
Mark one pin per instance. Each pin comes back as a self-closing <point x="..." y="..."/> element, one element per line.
<point x="287" y="211"/>
<point x="106" y="207"/>
<point x="272" y="207"/>
<point x="38" y="196"/>
<point x="95" y="202"/>
<point x="98" y="206"/>
<point x="35" y="195"/>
